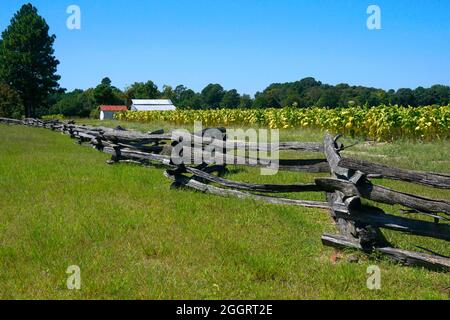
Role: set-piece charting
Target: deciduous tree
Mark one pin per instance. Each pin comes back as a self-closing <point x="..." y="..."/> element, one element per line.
<point x="212" y="95"/>
<point x="10" y="103"/>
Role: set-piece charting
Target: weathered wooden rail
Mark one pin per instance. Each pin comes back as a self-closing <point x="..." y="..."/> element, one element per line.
<point x="359" y="225"/>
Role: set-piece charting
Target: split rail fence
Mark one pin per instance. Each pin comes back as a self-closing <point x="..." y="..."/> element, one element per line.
<point x="350" y="181"/>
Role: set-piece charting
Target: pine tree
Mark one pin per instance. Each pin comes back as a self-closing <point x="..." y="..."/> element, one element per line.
<point x="27" y="61"/>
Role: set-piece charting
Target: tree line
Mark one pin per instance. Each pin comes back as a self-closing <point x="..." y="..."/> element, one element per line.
<point x="307" y="92"/>
<point x="85" y="102"/>
<point x="29" y="84"/>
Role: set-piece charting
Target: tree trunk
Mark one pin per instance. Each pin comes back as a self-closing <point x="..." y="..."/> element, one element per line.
<point x="28" y="108"/>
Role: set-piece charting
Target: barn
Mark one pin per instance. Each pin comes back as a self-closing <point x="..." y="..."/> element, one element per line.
<point x="107" y="112"/>
<point x="152" y="105"/>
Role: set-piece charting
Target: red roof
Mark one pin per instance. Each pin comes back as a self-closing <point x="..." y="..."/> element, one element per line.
<point x="113" y="108"/>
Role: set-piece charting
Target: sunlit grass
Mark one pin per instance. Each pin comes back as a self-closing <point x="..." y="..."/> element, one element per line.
<point x="133" y="237"/>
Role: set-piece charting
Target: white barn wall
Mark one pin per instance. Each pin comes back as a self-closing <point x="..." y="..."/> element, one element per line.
<point x="106" y="115"/>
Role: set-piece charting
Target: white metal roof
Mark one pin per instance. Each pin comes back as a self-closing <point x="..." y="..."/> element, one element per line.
<point x="154" y="108"/>
<point x="151" y="101"/>
<point x="152" y="105"/>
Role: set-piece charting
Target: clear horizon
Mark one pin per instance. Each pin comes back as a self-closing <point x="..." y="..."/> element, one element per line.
<point x="247" y="45"/>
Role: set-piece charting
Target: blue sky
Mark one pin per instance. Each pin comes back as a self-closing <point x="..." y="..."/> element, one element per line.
<point x="248" y="44"/>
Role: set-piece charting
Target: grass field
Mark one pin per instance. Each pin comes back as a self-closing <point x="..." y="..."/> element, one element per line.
<point x="132" y="237"/>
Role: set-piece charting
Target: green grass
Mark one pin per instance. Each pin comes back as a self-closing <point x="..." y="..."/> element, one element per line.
<point x="61" y="205"/>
